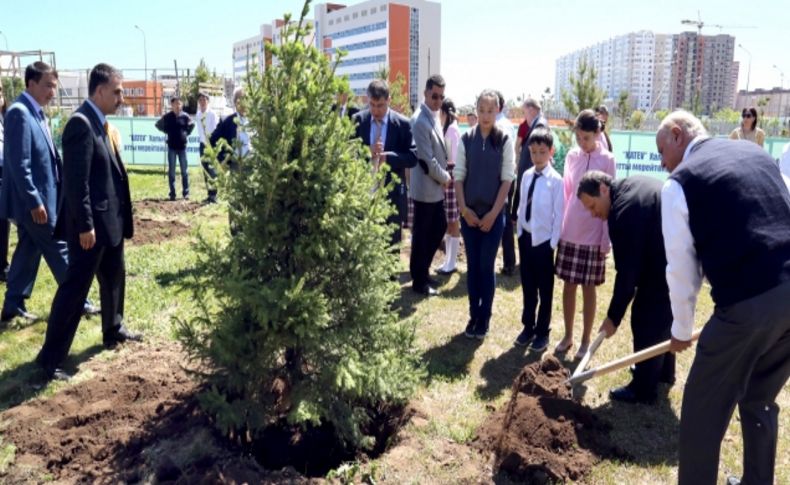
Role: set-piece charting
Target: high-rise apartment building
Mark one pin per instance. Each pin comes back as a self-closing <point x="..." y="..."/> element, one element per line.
<point x="703" y="71"/>
<point x="659" y="71"/>
<point x="403" y="37"/>
<point x="251" y="52"/>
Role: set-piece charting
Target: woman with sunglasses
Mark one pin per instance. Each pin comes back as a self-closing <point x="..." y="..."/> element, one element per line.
<point x="748" y="129"/>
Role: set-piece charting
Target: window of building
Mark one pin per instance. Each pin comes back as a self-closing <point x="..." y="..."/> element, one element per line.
<point x="355" y="15"/>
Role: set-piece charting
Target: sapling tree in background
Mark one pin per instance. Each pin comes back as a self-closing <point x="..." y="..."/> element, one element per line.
<point x="297" y="320"/>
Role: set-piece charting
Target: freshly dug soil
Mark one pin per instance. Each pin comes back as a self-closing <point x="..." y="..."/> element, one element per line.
<point x="151" y="231"/>
<point x="136" y="421"/>
<point x="156" y="221"/>
<point x="542" y="435"/>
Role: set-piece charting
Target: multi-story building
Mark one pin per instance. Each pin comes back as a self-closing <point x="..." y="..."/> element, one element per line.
<point x="659" y="71"/>
<point x="251" y="52"/>
<point x="702" y="75"/>
<point x="144" y="97"/>
<point x="403" y="37"/>
<point x="773" y="102"/>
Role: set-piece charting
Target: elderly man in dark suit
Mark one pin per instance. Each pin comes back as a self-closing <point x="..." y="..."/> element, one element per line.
<point x="31" y="190"/>
<point x="632" y="208"/>
<point x="725" y="214"/>
<point x="427" y="183"/>
<point x="95" y="218"/>
<point x="389" y="135"/>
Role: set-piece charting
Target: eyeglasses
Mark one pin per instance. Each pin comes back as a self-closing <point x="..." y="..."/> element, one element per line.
<point x="437" y="97"/>
<point x="746" y="115"/>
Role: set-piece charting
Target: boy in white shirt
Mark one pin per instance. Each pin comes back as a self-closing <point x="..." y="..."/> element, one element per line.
<point x="538" y="228"/>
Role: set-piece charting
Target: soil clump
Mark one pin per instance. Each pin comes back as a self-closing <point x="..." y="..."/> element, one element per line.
<point x="542" y="435"/>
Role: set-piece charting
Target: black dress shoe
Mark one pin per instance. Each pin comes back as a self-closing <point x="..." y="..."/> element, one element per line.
<point x="52" y="373"/>
<point x="23" y="314"/>
<point x="444" y="272"/>
<point x="626" y="394"/>
<point x="508" y="270"/>
<point x="120" y="336"/>
<point x="434" y="283"/>
<point x="426" y="290"/>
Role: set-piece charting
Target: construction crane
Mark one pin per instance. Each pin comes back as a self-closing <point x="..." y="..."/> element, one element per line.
<point x="700" y="24"/>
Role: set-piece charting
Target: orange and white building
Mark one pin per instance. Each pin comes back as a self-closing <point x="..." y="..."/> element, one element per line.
<point x="403" y="37"/>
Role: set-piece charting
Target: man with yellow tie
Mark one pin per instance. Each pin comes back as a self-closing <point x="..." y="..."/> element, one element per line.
<point x="95" y="218"/>
<point x="388" y="133"/>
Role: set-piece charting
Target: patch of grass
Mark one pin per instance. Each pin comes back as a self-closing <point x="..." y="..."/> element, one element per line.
<point x="465" y="381"/>
<point x="7" y="455"/>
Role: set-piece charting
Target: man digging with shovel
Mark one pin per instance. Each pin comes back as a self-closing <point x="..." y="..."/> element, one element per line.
<point x="632" y="207"/>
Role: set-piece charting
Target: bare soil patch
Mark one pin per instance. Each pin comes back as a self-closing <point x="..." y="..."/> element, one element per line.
<point x="542" y="435"/>
<point x="136" y="421"/>
<point x="158" y="220"/>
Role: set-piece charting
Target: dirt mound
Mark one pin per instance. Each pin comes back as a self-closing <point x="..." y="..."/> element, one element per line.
<point x="151" y="231"/>
<point x="166" y="207"/>
<point x="158" y="220"/>
<point x="137" y="420"/>
<point x="541" y="435"/>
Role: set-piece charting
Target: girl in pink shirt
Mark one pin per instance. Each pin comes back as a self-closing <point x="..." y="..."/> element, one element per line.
<point x="584" y="240"/>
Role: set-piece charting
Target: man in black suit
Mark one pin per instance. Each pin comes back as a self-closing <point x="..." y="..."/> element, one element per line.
<point x="632" y="208"/>
<point x="95" y="218"/>
<point x="228" y="130"/>
<point x="725" y="214"/>
<point x="388" y="133"/>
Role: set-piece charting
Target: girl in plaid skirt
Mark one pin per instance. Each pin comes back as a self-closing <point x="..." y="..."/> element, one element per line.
<point x="452" y="135"/>
<point x="584" y="240"/>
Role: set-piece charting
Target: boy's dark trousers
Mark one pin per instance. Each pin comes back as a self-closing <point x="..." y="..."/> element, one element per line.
<point x="537" y="280"/>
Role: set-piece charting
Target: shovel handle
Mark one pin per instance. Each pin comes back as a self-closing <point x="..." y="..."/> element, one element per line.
<point x="590" y="351"/>
<point x="634" y="358"/>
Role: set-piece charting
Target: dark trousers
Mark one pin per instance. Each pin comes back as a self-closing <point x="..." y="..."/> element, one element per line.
<point x="34" y="241"/>
<point x="5" y="228"/>
<point x="651" y="323"/>
<point x="537" y="281"/>
<point x="108" y="265"/>
<point x="481" y="249"/>
<point x="209" y="174"/>
<point x="508" y="239"/>
<point x="171" y="171"/>
<point x="743" y="358"/>
<point x="430" y="224"/>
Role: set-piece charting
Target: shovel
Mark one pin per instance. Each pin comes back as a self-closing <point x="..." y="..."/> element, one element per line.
<point x="626" y="361"/>
<point x="590" y="351"/>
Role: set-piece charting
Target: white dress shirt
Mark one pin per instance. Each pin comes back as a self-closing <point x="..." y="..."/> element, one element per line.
<point x="784" y="162"/>
<point x="684" y="271"/>
<point x="548" y="202"/>
<point x="206" y="122"/>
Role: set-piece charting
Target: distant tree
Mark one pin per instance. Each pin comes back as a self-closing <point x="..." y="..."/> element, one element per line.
<point x="636" y="120"/>
<point x="12" y="87"/>
<point x="584" y="93"/>
<point x="202" y="75"/>
<point x="623" y="107"/>
<point x="661" y="114"/>
<point x="761" y="104"/>
<point x="727" y="114"/>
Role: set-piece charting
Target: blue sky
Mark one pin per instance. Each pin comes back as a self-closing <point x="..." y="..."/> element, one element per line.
<point x="506" y="44"/>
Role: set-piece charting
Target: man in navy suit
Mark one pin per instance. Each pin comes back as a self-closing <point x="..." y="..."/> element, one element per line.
<point x="95" y="218"/>
<point x="30" y="193"/>
<point x="389" y="135"/>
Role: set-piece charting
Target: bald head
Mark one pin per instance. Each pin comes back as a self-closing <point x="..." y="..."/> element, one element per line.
<point x="675" y="133"/>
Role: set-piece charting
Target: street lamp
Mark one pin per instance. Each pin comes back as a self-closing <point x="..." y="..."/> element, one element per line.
<point x="749" y="72"/>
<point x="781" y="76"/>
<point x="145" y="52"/>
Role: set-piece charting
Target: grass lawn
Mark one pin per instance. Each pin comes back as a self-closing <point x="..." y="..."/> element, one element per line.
<point x="466" y="379"/>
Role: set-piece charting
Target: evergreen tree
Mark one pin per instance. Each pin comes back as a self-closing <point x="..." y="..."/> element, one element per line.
<point x="584" y="93"/>
<point x="296" y="318"/>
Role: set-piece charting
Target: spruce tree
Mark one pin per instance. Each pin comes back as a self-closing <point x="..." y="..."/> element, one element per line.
<point x="297" y="319"/>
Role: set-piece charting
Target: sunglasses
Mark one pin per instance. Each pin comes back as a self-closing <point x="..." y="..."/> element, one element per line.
<point x="746" y="115"/>
<point x="437" y="97"/>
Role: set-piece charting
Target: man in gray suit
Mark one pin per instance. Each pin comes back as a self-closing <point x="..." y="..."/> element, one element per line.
<point x="428" y="180"/>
